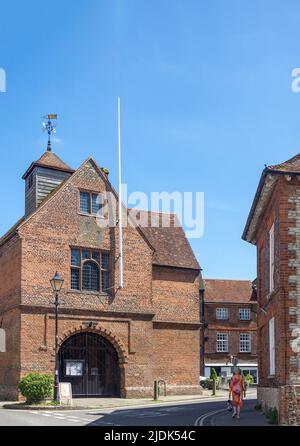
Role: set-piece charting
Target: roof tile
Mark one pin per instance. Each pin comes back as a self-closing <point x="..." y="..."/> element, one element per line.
<point x="217" y="290"/>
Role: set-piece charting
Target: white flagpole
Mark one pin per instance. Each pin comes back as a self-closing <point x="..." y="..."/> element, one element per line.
<point x="120" y="200"/>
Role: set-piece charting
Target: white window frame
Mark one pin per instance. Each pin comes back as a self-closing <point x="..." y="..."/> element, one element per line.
<point x="272" y="346"/>
<point x="2" y="341"/>
<point x="271" y="258"/>
<point x="222" y="314"/>
<point x="244" y="311"/>
<point x="245" y="342"/>
<point x="222" y="343"/>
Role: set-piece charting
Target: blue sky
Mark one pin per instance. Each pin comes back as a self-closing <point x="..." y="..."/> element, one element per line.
<point x="206" y="101"/>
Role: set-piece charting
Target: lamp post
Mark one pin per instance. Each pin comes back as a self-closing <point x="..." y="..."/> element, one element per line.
<point x="56" y="285"/>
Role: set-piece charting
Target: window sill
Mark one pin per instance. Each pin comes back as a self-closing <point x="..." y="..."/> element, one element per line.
<point x="94" y="293"/>
<point x="83" y="214"/>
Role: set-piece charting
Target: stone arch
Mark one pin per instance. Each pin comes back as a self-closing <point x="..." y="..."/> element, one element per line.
<point x="107" y="334"/>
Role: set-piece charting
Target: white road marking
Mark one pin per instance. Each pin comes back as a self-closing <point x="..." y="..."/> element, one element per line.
<point x="202" y="418"/>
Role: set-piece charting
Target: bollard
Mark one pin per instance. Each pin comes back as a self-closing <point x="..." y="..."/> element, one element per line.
<point x="156" y="390"/>
<point x="214" y="387"/>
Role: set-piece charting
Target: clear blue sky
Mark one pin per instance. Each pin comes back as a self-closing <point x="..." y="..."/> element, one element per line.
<point x="206" y="93"/>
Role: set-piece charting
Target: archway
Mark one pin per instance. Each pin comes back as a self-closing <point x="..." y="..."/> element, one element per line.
<point x="91" y="364"/>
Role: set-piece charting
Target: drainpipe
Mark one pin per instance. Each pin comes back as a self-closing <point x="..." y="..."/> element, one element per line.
<point x="202" y="326"/>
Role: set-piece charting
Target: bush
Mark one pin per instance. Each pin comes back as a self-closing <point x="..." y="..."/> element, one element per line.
<point x="213" y="374"/>
<point x="248" y="379"/>
<point x="210" y="382"/>
<point x="36" y="387"/>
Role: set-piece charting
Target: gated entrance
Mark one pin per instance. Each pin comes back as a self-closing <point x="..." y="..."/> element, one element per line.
<point x="90" y="363"/>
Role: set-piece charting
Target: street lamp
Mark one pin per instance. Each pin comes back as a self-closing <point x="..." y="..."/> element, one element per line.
<point x="56" y="285"/>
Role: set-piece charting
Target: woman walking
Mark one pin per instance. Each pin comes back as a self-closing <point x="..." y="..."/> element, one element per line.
<point x="236" y="389"/>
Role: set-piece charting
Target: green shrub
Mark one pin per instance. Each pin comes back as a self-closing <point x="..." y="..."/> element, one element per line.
<point x="209" y="383"/>
<point x="272" y="415"/>
<point x="248" y="380"/>
<point x="213" y="374"/>
<point x="36" y="387"/>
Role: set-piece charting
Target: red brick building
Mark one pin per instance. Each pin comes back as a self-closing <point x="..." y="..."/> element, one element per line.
<point x="230" y="317"/>
<point x="274" y="227"/>
<point x="112" y="341"/>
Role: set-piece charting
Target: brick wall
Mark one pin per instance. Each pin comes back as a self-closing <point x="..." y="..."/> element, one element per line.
<point x="233" y="327"/>
<point x="284" y="303"/>
<point x="124" y="317"/>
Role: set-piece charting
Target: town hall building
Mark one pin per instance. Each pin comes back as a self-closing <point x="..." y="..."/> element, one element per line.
<point x="112" y="341"/>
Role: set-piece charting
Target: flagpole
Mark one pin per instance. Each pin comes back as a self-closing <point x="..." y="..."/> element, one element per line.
<point x="120" y="199"/>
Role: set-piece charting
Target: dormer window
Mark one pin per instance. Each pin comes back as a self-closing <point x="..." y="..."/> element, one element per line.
<point x="90" y="203"/>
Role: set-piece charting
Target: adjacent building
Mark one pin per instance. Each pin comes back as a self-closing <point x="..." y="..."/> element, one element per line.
<point x="273" y="226"/>
<point x="112" y="341"/>
<point x="230" y="327"/>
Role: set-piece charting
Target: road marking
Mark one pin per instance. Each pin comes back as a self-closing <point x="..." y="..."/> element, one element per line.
<point x="202" y="418"/>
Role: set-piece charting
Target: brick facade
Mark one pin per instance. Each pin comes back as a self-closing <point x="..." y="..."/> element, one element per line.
<point x="152" y="323"/>
<point x="278" y="203"/>
<point x="231" y="295"/>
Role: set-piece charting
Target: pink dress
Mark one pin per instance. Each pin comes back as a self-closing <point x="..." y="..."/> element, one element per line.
<point x="237" y="388"/>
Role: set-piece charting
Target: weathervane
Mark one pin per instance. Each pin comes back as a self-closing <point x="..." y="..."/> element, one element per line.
<point x="50" y="127"/>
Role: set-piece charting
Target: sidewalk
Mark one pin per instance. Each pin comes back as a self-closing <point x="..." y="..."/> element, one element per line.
<point x="249" y="417"/>
<point x="107" y="403"/>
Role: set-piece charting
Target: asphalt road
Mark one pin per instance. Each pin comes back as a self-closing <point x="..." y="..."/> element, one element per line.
<point x="187" y="414"/>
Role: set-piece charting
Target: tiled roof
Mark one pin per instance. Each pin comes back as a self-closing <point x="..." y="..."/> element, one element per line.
<point x="217" y="290"/>
<point x="292" y="165"/>
<point x="49" y="159"/>
<point x="170" y="243"/>
<point x="11" y="231"/>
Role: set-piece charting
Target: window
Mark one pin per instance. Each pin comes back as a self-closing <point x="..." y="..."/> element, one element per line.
<point x="245" y="343"/>
<point x="245" y="314"/>
<point x="222" y="342"/>
<point x="90" y="270"/>
<point x="90" y="203"/>
<point x="222" y="313"/>
<point x="90" y="276"/>
<point x="272" y="258"/>
<point x="272" y="346"/>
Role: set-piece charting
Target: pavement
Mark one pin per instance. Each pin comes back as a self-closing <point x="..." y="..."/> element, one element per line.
<point x="95" y="403"/>
<point x="249" y="417"/>
<point x="198" y="412"/>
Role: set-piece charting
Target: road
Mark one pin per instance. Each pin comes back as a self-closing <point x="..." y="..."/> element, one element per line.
<point x="185" y="414"/>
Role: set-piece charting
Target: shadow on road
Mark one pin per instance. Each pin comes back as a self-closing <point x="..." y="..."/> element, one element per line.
<point x="175" y="415"/>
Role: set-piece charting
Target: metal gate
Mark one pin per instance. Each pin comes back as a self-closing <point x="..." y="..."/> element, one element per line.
<point x="90" y="363"/>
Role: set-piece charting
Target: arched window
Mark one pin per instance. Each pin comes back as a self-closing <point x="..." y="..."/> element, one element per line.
<point x="90" y="270"/>
<point x="90" y="276"/>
